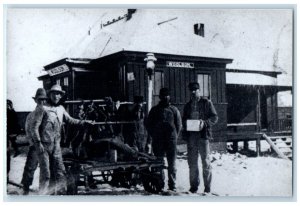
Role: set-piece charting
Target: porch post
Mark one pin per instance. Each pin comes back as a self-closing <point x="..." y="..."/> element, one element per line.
<point x="258" y="112"/>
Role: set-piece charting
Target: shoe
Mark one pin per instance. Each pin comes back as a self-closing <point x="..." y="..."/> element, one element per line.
<point x="25" y="189"/>
<point x="26" y="192"/>
<point x="207" y="194"/>
<point x="173" y="189"/>
<point x="207" y="190"/>
<point x="193" y="190"/>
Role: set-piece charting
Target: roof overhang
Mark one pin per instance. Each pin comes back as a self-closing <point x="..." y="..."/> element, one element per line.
<point x="276" y="88"/>
<point x="268" y="73"/>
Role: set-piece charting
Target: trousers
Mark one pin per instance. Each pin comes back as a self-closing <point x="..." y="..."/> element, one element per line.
<point x="164" y="143"/>
<point x="52" y="169"/>
<point x="31" y="164"/>
<point x="196" y="146"/>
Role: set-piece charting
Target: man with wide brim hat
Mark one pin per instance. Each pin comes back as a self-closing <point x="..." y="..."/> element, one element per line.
<point x="57" y="88"/>
<point x="35" y="147"/>
<point x="40" y="94"/>
<point x="48" y="130"/>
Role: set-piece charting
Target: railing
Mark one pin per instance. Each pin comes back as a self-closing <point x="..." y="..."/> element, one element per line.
<point x="281" y="125"/>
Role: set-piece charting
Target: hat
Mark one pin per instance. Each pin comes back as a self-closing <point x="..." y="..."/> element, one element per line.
<point x="138" y="99"/>
<point x="194" y="86"/>
<point x="40" y="94"/>
<point x="164" y="92"/>
<point x="9" y="102"/>
<point x="56" y="88"/>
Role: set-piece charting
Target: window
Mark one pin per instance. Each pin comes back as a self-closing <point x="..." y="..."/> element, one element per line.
<point x="66" y="81"/>
<point x="204" y="81"/>
<point x="58" y="81"/>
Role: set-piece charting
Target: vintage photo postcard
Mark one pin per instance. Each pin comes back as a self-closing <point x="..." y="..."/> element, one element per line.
<point x="190" y="103"/>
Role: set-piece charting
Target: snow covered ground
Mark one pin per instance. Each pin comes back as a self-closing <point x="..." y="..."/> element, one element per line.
<point x="234" y="175"/>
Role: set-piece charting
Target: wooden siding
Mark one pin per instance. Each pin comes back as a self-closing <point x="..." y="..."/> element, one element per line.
<point x="110" y="79"/>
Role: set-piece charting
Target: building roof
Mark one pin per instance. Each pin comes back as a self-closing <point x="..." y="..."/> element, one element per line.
<point x="172" y="32"/>
<point x="151" y="30"/>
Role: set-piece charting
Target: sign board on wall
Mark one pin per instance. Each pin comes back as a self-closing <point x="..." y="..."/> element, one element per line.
<point x="180" y="64"/>
<point x="58" y="70"/>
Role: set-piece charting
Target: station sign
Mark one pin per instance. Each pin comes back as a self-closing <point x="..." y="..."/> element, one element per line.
<point x="180" y="64"/>
<point x="58" y="70"/>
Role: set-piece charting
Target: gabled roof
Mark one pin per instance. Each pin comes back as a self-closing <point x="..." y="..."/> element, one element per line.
<point x="263" y="42"/>
<point x="149" y="30"/>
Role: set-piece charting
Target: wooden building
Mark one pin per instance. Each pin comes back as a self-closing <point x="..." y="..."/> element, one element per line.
<point x="252" y="101"/>
<point x="241" y="107"/>
<point x="123" y="75"/>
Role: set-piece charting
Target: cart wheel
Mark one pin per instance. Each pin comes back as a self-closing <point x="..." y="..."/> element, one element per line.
<point x="122" y="178"/>
<point x="106" y="176"/>
<point x="153" y="181"/>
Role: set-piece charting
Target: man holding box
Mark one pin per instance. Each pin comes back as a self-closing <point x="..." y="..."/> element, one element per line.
<point x="199" y="116"/>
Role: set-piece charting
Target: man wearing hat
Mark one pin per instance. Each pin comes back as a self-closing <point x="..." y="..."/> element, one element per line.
<point x="202" y="111"/>
<point x="47" y="125"/>
<point x="134" y="133"/>
<point x="164" y="125"/>
<point x="34" y="147"/>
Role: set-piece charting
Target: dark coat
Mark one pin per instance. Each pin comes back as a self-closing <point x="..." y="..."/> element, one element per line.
<point x="163" y="117"/>
<point x="207" y="113"/>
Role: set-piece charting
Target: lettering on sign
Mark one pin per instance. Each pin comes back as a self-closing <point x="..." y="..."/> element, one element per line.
<point x="180" y="64"/>
<point x="58" y="70"/>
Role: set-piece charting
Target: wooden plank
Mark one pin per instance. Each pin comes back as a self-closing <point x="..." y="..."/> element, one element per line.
<point x="142" y="81"/>
<point x="187" y="81"/>
<point x="223" y="85"/>
<point x="242" y="124"/>
<point x="280" y="154"/>
<point x="177" y="85"/>
<point x="258" y="147"/>
<point x="182" y="86"/>
<point x="280" y="137"/>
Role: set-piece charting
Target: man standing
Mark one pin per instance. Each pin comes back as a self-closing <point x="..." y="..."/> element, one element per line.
<point x="164" y="125"/>
<point x="47" y="136"/>
<point x="32" y="156"/>
<point x="202" y="110"/>
<point x="13" y="129"/>
<point x="134" y="133"/>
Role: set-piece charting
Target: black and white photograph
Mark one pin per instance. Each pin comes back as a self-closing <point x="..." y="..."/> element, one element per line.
<point x="192" y="103"/>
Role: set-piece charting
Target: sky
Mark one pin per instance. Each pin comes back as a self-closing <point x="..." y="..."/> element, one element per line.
<point x="37" y="37"/>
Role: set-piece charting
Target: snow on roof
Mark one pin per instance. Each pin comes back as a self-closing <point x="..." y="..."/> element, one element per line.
<point x="249" y="79"/>
<point x="254" y="39"/>
<point x="147" y="32"/>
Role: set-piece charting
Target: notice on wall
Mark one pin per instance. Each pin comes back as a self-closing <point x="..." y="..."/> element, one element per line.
<point x="130" y="76"/>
